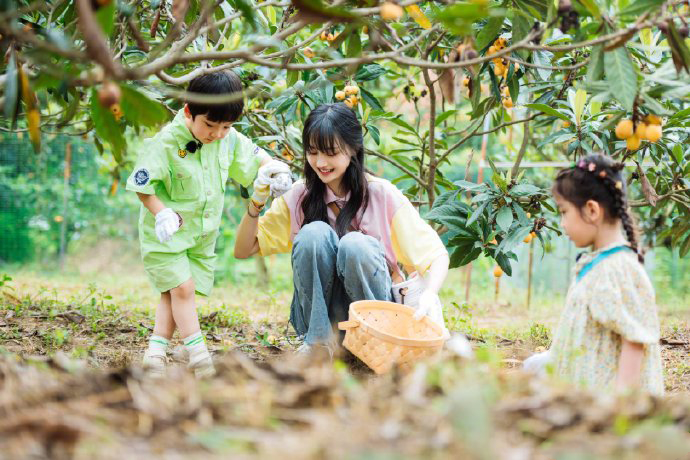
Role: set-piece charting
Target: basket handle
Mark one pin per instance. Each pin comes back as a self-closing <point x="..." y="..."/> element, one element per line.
<point x="345" y="325"/>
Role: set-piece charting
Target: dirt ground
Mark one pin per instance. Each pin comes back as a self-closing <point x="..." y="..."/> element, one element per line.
<point x="70" y="387"/>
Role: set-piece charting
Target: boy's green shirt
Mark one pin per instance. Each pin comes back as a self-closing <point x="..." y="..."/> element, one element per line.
<point x="191" y="184"/>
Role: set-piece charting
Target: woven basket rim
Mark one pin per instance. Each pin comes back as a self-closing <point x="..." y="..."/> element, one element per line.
<point x="391" y="338"/>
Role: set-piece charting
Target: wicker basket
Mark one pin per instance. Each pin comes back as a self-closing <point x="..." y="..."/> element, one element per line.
<point x="384" y="334"/>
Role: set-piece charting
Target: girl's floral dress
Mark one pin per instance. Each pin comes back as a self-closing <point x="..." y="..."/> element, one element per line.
<point x="613" y="299"/>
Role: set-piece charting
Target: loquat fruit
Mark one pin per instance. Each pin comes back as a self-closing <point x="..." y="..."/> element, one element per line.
<point x="633" y="142"/>
<point x="624" y="129"/>
<point x="498" y="271"/>
<point x="351" y="89"/>
<point x="653" y="133"/>
<point x="652" y="119"/>
<point x="308" y="52"/>
<point x="391" y="11"/>
<point x="340" y="95"/>
<point x="641" y="130"/>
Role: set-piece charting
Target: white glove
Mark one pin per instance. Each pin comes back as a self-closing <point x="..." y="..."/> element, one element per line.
<point x="167" y="223"/>
<point x="429" y="304"/>
<point x="536" y="364"/>
<point x="281" y="183"/>
<point x="265" y="178"/>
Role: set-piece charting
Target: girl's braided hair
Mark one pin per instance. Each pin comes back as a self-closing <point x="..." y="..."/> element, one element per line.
<point x="599" y="178"/>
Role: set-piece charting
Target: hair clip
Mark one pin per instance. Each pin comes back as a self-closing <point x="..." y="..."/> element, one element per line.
<point x="619" y="185"/>
<point x="582" y="164"/>
<point x="602" y="174"/>
<point x="592" y="167"/>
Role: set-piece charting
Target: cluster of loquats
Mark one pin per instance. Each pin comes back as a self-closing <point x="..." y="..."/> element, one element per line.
<point x="528" y="239"/>
<point x="501" y="65"/>
<point x="506" y="99"/>
<point x="348" y="96"/>
<point x="109" y="97"/>
<point x="649" y="129"/>
<point x="329" y="37"/>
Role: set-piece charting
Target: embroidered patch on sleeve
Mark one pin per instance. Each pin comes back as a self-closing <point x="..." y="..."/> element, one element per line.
<point x="257" y="150"/>
<point x="141" y="177"/>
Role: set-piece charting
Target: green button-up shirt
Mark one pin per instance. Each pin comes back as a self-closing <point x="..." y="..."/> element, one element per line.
<point x="192" y="184"/>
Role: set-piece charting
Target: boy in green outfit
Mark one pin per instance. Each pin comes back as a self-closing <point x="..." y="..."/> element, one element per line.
<point x="180" y="178"/>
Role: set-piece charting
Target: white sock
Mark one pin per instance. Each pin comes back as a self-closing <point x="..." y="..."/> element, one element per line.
<point x="158" y="344"/>
<point x="196" y="346"/>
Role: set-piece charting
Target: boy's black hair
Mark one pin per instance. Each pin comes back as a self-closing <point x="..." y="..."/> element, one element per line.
<point x="599" y="178"/>
<point x="223" y="82"/>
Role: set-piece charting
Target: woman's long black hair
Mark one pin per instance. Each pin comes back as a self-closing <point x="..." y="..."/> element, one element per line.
<point x="328" y="129"/>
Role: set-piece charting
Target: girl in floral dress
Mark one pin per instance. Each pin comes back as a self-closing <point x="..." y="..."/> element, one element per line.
<point x="608" y="334"/>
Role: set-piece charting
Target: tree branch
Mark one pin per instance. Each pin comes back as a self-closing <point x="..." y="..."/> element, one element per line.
<point x="410" y="173"/>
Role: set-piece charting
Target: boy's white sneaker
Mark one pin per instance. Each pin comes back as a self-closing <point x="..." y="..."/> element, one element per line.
<point x="154" y="363"/>
<point x="202" y="365"/>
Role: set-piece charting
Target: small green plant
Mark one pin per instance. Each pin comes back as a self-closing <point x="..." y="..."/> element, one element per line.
<point x="539" y="334"/>
<point x="56" y="337"/>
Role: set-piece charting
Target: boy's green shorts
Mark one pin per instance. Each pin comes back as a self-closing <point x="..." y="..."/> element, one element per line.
<point x="169" y="265"/>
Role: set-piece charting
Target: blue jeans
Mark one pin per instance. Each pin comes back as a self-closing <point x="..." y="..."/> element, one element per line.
<point x="329" y="274"/>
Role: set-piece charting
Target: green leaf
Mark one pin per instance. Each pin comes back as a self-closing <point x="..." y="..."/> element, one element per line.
<point x="71" y="110"/>
<point x="488" y="33"/>
<point x="354" y="44"/>
<point x="271" y="12"/>
<point x="595" y="69"/>
<point x="504" y="262"/>
<point x="580" y="101"/>
<point x="548" y="110"/>
<point x="446" y="210"/>
<point x="470" y="186"/>
<point x="403" y="124"/>
<point x="444" y="116"/>
<point x="513" y="85"/>
<point x="375" y="134"/>
<point x="369" y="72"/>
<point x="515" y="238"/>
<point x="521" y="27"/>
<point x="458" y="17"/>
<point x="641" y="6"/>
<point x="141" y="110"/>
<point x="459" y="254"/>
<point x="621" y="76"/>
<point x="525" y="190"/>
<point x="680" y="115"/>
<point x="504" y="218"/>
<point x="107" y="128"/>
<point x="106" y="18"/>
<point x="592" y="8"/>
<point x="543" y="58"/>
<point x="477" y="212"/>
<point x="247" y="9"/>
<point x="498" y="179"/>
<point x="370" y="99"/>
